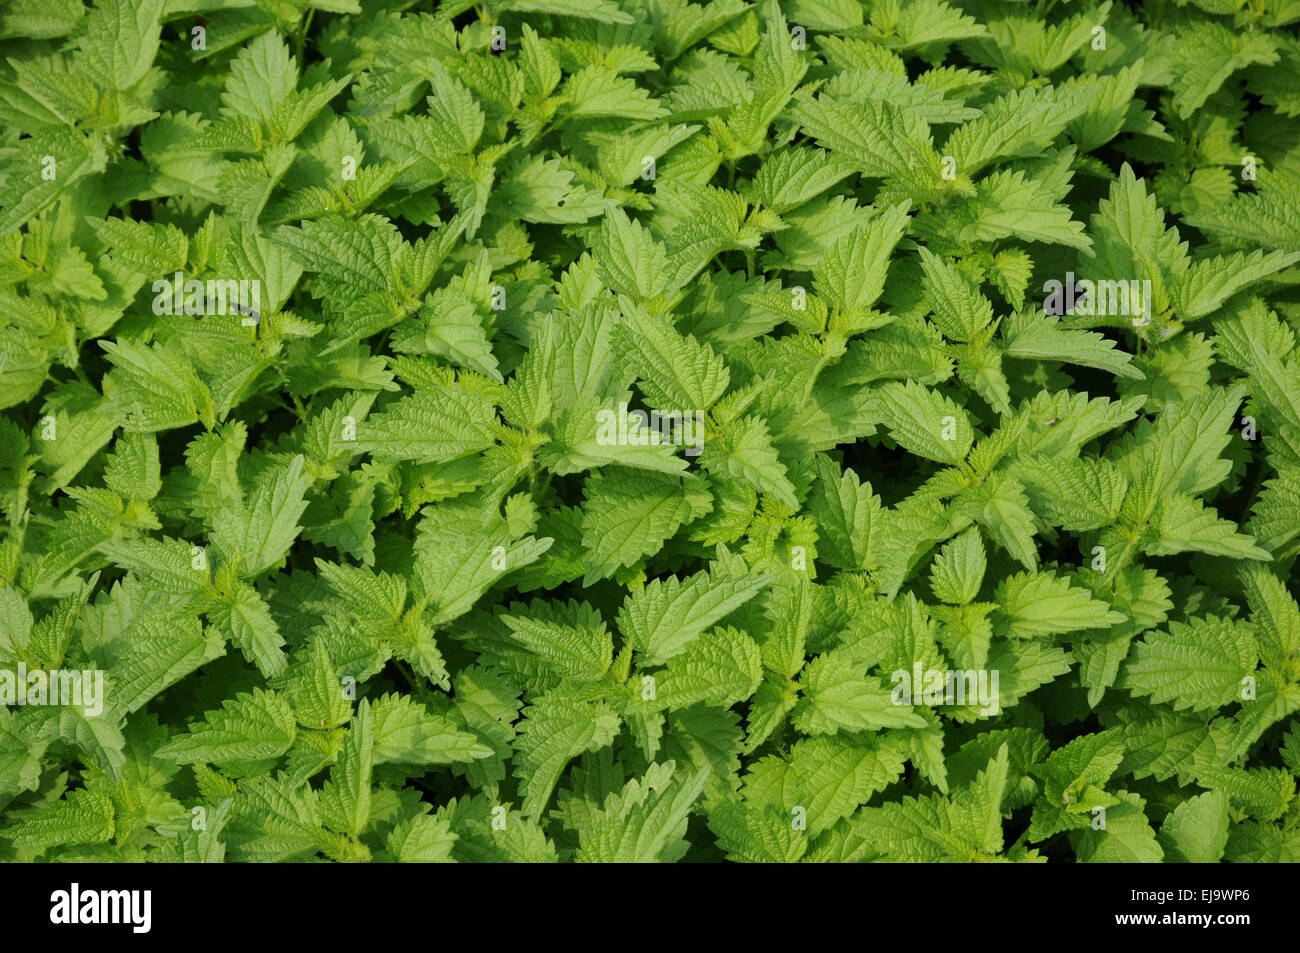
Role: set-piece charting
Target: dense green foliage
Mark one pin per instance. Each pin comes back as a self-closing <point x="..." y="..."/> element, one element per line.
<point x="329" y="333"/>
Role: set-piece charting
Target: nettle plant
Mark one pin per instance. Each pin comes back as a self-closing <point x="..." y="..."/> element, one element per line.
<point x="637" y="430"/>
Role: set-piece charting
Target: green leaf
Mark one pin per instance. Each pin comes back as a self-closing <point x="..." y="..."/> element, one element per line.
<point x="1182" y="523"/>
<point x="1199" y="666"/>
<point x="628" y="514"/>
<point x="958" y="570"/>
<point x="258" y="533"/>
<point x="85" y="817"/>
<point x="248" y="622"/>
<point x="925" y="422"/>
<point x="1127" y="838"/>
<point x="957" y="307"/>
<point x="965" y="828"/>
<point x="660" y="620"/>
<point x="643" y="823"/>
<point x="676" y="373"/>
<point x="852" y="275"/>
<point x="721" y="667"/>
<point x="119" y="42"/>
<point x="345" y="800"/>
<point x="1196" y="831"/>
<point x="1039" y="603"/>
<point x="249" y="727"/>
<point x="579" y="651"/>
<point x="554" y="731"/>
<point x="845" y="511"/>
<point x="407" y="733"/>
<point x="431" y="425"/>
<point x="838" y="696"/>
